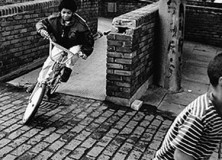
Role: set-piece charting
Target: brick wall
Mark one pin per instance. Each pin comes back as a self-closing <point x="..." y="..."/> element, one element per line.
<point x="88" y="9"/>
<point x="114" y="8"/>
<point x="203" y="24"/>
<point x="129" y="54"/>
<point x="21" y="49"/>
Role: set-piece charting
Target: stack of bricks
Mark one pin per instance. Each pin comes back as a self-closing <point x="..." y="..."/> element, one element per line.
<point x="130" y="54"/>
<point x="21" y="49"/>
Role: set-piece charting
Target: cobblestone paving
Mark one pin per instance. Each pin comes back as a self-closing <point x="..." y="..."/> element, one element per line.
<point x="73" y="128"/>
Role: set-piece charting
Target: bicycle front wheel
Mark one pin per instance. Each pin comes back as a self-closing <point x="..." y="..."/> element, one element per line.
<point x="34" y="102"/>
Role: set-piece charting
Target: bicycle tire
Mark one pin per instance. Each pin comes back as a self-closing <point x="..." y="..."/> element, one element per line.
<point x="34" y="103"/>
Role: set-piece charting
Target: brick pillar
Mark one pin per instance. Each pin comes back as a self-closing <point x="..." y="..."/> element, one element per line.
<point x="129" y="55"/>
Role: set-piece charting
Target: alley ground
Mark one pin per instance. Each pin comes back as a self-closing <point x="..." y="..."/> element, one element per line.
<point x="71" y="127"/>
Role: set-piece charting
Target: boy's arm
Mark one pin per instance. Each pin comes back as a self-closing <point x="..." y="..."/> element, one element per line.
<point x="179" y="155"/>
<point x="46" y="23"/>
<point x="87" y="42"/>
<point x="43" y="28"/>
<point x="86" y="37"/>
<point x="188" y="137"/>
<point x="41" y="25"/>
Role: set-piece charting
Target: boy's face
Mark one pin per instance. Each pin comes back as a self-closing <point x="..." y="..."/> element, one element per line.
<point x="218" y="90"/>
<point x="66" y="14"/>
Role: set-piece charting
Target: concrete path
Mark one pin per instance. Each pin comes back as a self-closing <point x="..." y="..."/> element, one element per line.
<point x="88" y="78"/>
<point x="195" y="82"/>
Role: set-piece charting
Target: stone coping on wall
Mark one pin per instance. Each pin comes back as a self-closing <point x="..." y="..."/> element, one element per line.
<point x="205" y="8"/>
<point x="26" y="6"/>
<point x="207" y="4"/>
<point x="148" y="1"/>
<point x="142" y="16"/>
<point x="129" y="1"/>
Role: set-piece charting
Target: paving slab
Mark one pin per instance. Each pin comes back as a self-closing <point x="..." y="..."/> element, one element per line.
<point x="194" y="87"/>
<point x="195" y="62"/>
<point x="173" y="108"/>
<point x="199" y="70"/>
<point x="181" y="98"/>
<point x="154" y="95"/>
<point x="196" y="78"/>
<point x="197" y="57"/>
<point x="205" y="47"/>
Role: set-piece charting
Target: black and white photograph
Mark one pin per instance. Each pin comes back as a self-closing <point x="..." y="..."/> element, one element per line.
<point x="110" y="79"/>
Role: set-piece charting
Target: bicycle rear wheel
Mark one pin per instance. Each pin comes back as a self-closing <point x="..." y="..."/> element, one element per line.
<point x="34" y="102"/>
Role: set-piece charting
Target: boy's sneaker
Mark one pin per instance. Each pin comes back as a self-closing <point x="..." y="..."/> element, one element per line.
<point x="66" y="74"/>
<point x="31" y="88"/>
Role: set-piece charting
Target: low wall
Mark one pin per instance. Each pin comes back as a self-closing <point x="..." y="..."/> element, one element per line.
<point x="130" y="54"/>
<point x="203" y="24"/>
<point x="21" y="49"/>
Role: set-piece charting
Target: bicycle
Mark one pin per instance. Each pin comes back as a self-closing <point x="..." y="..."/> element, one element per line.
<point x="49" y="87"/>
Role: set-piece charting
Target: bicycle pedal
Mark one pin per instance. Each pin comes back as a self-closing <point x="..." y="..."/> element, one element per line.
<point x="31" y="88"/>
<point x="46" y="97"/>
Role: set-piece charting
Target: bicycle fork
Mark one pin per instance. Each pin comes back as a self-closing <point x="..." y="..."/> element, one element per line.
<point x="38" y="85"/>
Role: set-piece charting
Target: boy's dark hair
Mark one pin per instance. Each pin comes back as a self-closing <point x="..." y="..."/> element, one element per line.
<point x="214" y="69"/>
<point x="68" y="4"/>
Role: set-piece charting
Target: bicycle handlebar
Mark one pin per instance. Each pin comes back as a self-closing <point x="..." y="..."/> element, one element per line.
<point x="63" y="49"/>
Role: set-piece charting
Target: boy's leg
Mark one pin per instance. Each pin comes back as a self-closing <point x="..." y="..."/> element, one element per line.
<point x="73" y="60"/>
<point x="46" y="71"/>
<point x="70" y="63"/>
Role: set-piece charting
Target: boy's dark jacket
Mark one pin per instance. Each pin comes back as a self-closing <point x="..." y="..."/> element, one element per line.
<point x="75" y="33"/>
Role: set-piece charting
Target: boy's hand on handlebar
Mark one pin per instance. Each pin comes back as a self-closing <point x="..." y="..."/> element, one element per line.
<point x="44" y="34"/>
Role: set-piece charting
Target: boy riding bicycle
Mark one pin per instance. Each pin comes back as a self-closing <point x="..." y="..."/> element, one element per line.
<point x="69" y="30"/>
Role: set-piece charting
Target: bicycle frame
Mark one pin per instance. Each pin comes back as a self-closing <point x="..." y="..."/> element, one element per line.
<point x="41" y="88"/>
<point x="63" y="50"/>
<point x="61" y="62"/>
